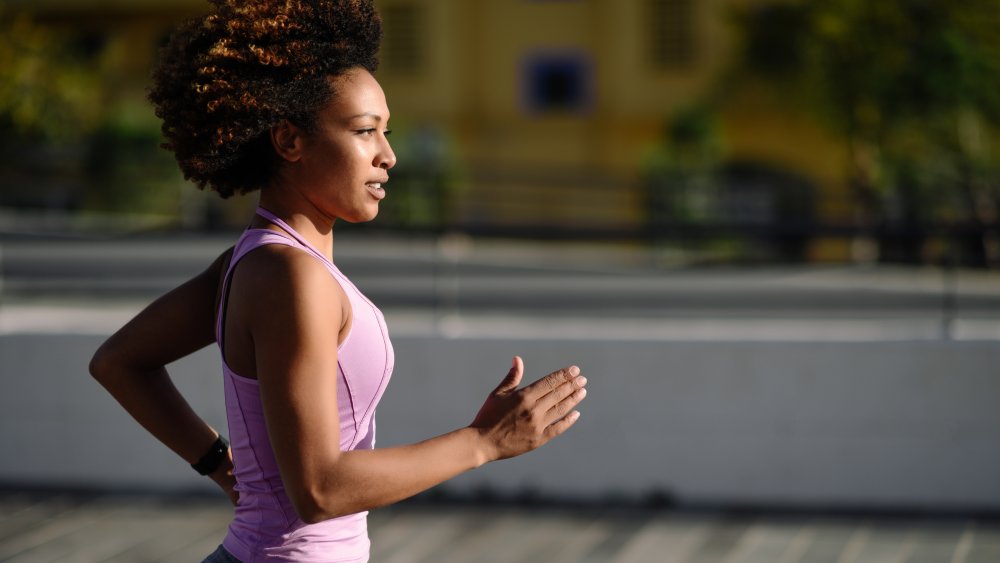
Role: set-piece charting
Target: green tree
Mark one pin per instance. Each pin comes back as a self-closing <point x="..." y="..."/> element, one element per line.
<point x="46" y="88"/>
<point x="679" y="172"/>
<point x="913" y="88"/>
<point x="72" y="136"/>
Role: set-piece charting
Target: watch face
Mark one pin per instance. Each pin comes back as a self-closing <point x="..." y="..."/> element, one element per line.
<point x="211" y="460"/>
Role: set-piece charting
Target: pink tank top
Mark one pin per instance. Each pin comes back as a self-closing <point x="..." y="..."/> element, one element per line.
<point x="265" y="525"/>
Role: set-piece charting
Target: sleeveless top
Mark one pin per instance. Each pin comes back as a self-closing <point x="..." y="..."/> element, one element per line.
<point x="265" y="525"/>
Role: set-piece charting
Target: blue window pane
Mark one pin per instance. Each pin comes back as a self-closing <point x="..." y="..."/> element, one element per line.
<point x="557" y="83"/>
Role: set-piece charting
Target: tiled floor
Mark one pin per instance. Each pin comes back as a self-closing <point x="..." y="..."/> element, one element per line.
<point x="48" y="528"/>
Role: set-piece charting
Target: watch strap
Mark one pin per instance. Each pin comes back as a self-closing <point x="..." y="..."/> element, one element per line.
<point x="213" y="457"/>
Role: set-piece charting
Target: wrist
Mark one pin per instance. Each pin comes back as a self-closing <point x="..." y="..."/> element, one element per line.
<point x="214" y="457"/>
<point x="482" y="447"/>
<point x="223" y="473"/>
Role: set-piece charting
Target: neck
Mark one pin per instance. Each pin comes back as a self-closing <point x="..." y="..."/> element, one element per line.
<point x="301" y="215"/>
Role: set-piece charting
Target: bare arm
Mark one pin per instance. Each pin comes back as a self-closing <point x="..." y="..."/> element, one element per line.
<point x="294" y="362"/>
<point x="130" y="365"/>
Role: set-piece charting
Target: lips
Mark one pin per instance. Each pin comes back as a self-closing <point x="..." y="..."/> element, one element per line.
<point x="376" y="189"/>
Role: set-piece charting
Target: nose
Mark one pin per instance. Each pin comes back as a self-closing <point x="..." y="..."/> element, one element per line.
<point x="386" y="158"/>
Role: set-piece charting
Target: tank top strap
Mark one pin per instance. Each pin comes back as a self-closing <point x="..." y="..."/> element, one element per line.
<point x="293" y="233"/>
<point x="304" y="244"/>
<point x="254" y="238"/>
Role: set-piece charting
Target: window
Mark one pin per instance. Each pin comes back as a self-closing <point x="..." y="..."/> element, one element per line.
<point x="557" y="83"/>
<point x="403" y="45"/>
<point x="88" y="45"/>
<point x="671" y="33"/>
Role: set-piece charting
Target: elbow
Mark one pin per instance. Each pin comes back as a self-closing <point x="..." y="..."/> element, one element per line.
<point x="106" y="364"/>
<point x="311" y="515"/>
<point x="314" y="506"/>
<point x="101" y="364"/>
<point x="311" y="510"/>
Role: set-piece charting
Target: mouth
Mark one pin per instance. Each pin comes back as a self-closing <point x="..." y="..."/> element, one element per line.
<point x="376" y="189"/>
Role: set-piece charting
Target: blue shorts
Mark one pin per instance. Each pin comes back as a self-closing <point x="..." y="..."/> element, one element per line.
<point x="220" y="555"/>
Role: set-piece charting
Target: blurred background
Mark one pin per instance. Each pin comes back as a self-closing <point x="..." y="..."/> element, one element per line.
<point x="766" y="229"/>
<point x="732" y="130"/>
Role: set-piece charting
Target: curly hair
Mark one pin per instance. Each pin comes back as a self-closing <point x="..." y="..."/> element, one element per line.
<point x="223" y="80"/>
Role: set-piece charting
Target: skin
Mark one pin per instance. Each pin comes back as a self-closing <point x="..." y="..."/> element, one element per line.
<point x="283" y="312"/>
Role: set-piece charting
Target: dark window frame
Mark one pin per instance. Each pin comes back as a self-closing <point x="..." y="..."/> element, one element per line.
<point x="672" y="39"/>
<point x="404" y="41"/>
<point x="557" y="82"/>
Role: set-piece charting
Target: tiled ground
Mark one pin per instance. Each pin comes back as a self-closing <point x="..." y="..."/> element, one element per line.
<point x="48" y="528"/>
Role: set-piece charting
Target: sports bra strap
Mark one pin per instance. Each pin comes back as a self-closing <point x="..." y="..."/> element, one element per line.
<point x="293" y="233"/>
<point x="251" y="239"/>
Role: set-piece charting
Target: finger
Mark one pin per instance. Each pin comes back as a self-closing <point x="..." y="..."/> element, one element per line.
<point x="560" y="393"/>
<point x="560" y="408"/>
<point x="550" y="383"/>
<point x="561" y="425"/>
<point x="512" y="379"/>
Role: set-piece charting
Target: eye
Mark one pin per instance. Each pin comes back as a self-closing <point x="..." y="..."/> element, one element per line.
<point x="368" y="131"/>
<point x="387" y="132"/>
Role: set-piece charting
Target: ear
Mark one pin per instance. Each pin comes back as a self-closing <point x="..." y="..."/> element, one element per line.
<point x="287" y="140"/>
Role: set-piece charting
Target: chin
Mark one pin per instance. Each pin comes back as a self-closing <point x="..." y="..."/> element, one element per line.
<point x="363" y="217"/>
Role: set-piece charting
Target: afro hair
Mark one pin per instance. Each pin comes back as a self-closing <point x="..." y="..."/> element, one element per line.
<point x="223" y="80"/>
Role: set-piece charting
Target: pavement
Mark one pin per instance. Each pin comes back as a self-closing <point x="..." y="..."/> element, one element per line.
<point x="43" y="528"/>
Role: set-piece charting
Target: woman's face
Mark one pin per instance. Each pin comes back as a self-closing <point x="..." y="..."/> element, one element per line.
<point x="345" y="161"/>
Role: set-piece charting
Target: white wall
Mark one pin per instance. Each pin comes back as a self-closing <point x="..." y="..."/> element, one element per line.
<point x="876" y="424"/>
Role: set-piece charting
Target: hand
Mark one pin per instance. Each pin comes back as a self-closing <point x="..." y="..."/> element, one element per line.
<point x="223" y="477"/>
<point x="515" y="421"/>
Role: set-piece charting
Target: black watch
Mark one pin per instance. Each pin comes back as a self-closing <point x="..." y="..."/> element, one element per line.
<point x="213" y="457"/>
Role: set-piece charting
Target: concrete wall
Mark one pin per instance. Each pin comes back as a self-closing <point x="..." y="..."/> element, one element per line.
<point x="881" y="424"/>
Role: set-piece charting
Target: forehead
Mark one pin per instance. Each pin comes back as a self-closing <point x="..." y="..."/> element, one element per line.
<point x="356" y="93"/>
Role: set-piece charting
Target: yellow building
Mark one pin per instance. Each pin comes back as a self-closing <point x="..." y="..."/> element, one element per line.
<point x="552" y="105"/>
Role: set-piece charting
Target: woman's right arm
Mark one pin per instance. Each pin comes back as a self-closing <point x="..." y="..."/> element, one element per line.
<point x="294" y="310"/>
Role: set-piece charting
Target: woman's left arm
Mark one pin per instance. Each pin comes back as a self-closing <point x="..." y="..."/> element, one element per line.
<point x="130" y="365"/>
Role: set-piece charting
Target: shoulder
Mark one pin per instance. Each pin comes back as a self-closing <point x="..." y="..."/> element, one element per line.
<point x="277" y="276"/>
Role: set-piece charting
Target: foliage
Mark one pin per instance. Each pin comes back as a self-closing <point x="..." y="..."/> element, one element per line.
<point x="692" y="188"/>
<point x="423" y="183"/>
<point x="679" y="171"/>
<point x="72" y="135"/>
<point x="868" y="66"/>
<point x="912" y="86"/>
<point x="127" y="172"/>
<point x="47" y="88"/>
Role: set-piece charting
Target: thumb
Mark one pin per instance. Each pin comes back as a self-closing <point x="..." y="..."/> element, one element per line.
<point x="512" y="379"/>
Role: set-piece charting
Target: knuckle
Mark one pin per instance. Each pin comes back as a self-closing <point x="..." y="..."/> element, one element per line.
<point x="561" y="408"/>
<point x="551" y="382"/>
<point x="536" y="419"/>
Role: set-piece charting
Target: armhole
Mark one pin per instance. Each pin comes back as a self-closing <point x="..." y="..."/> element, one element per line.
<point x="223" y="298"/>
<point x="223" y="306"/>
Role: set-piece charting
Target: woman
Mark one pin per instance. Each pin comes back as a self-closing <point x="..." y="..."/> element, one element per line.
<point x="279" y="96"/>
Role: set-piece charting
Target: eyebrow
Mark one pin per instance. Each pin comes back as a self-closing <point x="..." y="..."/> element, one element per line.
<point x="376" y="116"/>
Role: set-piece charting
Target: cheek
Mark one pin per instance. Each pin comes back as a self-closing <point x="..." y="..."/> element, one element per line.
<point x="349" y="158"/>
<point x="341" y="162"/>
<point x="359" y="155"/>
